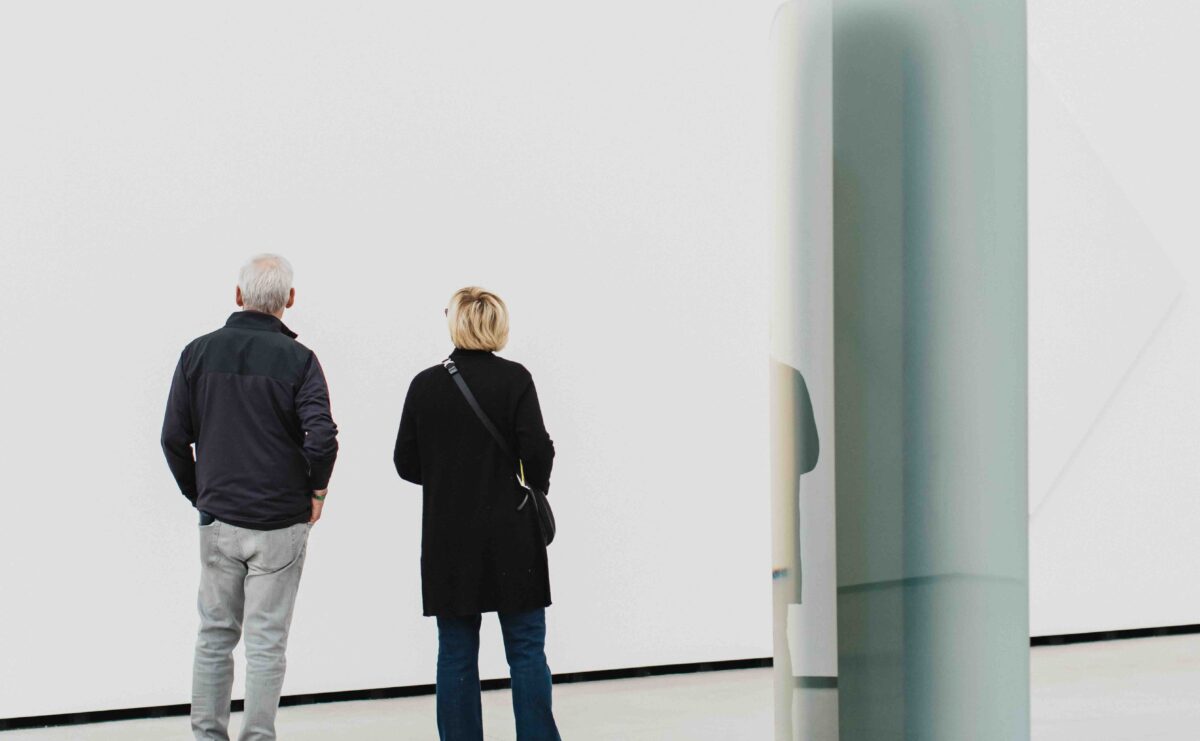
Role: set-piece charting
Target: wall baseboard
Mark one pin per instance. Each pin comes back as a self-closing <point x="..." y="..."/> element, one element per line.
<point x="385" y="693"/>
<point x="1113" y="635"/>
<point x="382" y="693"/>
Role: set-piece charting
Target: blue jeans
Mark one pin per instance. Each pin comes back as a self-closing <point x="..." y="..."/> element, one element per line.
<point x="459" y="713"/>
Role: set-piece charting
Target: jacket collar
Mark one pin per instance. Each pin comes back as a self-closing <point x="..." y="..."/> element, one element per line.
<point x="259" y="321"/>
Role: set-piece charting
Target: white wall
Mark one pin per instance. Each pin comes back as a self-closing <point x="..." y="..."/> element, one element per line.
<point x="1114" y="315"/>
<point x="601" y="166"/>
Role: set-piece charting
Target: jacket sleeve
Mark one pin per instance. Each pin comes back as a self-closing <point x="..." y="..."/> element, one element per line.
<point x="316" y="421"/>
<point x="407" y="455"/>
<point x="534" y="446"/>
<point x="178" y="434"/>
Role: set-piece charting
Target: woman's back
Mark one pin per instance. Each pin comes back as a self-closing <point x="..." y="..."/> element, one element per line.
<point x="478" y="553"/>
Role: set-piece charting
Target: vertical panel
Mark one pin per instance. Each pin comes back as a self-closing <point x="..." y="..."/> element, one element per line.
<point x="802" y="378"/>
<point x="901" y="261"/>
<point x="930" y="326"/>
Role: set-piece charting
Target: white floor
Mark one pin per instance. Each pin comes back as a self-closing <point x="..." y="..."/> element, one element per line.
<point x="1137" y="690"/>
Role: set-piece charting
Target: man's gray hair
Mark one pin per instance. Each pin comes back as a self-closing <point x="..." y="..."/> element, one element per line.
<point x="266" y="282"/>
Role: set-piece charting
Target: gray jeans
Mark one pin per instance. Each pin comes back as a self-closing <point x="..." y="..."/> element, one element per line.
<point x="250" y="577"/>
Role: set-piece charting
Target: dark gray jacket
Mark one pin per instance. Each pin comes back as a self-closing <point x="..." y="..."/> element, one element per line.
<point x="255" y="404"/>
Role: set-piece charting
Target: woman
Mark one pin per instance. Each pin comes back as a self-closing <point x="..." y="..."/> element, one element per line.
<point x="479" y="553"/>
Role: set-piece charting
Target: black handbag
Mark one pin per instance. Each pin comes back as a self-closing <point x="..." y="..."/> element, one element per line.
<point x="541" y="505"/>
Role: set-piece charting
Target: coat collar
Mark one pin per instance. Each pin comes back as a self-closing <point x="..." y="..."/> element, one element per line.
<point x="259" y="321"/>
<point x="461" y="353"/>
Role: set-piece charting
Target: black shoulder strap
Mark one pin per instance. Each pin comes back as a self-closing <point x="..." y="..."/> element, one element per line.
<point x="452" y="369"/>
<point x="449" y="365"/>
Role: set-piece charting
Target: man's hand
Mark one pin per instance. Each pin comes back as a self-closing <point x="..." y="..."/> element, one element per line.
<point x="317" y="505"/>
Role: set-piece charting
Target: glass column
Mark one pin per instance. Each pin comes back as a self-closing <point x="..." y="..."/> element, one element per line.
<point x="899" y="357"/>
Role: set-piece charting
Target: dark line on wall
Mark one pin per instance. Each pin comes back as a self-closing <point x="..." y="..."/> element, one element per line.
<point x="387" y="693"/>
<point x="382" y="693"/>
<point x="1113" y="635"/>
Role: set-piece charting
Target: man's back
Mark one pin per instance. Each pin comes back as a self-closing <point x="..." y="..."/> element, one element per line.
<point x="255" y="403"/>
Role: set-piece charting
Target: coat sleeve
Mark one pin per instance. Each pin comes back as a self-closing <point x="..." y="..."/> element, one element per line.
<point x="178" y="433"/>
<point x="407" y="455"/>
<point x="534" y="446"/>
<point x="316" y="421"/>
<point x="808" y="445"/>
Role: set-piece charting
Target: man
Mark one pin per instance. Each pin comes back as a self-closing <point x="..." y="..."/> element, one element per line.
<point x="254" y="403"/>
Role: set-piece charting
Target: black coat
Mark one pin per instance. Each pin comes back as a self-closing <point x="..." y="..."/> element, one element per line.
<point x="478" y="553"/>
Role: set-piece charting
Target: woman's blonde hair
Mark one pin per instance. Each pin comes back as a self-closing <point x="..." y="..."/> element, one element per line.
<point x="478" y="320"/>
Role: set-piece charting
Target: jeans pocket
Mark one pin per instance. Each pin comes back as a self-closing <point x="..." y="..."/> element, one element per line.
<point x="208" y="542"/>
<point x="279" y="549"/>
